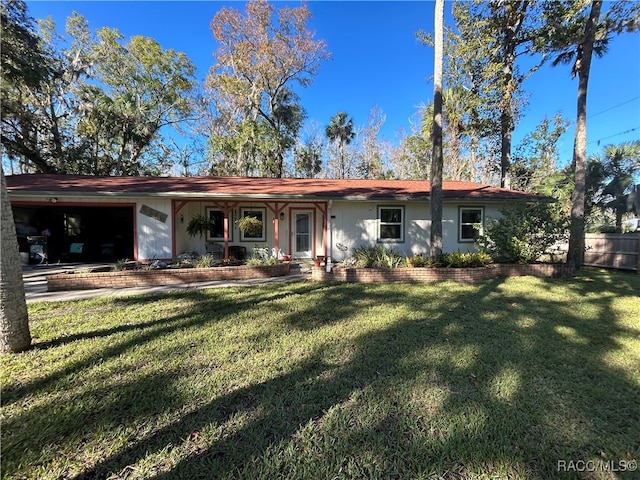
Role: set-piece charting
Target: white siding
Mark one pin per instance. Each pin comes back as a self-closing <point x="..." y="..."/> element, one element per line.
<point x="351" y="224"/>
<point x="450" y="233"/>
<point x="356" y="224"/>
<point x="153" y="235"/>
<point x="185" y="243"/>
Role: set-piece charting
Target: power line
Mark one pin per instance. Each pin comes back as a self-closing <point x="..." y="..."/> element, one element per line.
<point x="573" y="122"/>
<point x="603" y="111"/>
<point x="566" y="150"/>
<point x="614" y="135"/>
<point x="615" y="106"/>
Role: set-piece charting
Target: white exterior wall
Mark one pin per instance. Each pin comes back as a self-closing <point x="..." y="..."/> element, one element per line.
<point x="450" y="213"/>
<point x="154" y="236"/>
<point x="185" y="243"/>
<point x="355" y="224"/>
<point x="352" y="224"/>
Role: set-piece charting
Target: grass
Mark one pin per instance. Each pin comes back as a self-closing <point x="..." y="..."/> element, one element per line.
<point x="502" y="379"/>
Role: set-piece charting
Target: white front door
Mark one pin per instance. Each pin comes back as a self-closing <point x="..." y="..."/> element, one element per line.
<point x="302" y="234"/>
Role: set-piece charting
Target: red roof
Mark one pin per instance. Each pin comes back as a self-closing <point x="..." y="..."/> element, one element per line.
<point x="48" y="184"/>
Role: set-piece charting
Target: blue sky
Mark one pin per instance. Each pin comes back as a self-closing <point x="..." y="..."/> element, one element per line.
<point x="377" y="61"/>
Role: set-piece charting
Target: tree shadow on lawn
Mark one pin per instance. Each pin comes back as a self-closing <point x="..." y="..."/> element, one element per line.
<point x="552" y="394"/>
<point x="161" y="396"/>
<point x="478" y="380"/>
<point x="203" y="309"/>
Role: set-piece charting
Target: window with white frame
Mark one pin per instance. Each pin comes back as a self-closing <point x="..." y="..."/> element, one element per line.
<point x="469" y="220"/>
<point x="216" y="216"/>
<point x="391" y="224"/>
<point x="260" y="214"/>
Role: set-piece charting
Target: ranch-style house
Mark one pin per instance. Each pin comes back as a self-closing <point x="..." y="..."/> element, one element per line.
<point x="88" y="218"/>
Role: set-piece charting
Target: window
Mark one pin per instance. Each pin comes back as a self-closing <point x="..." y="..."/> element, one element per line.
<point x="217" y="219"/>
<point x="468" y="219"/>
<point x="391" y="224"/>
<point x="260" y="214"/>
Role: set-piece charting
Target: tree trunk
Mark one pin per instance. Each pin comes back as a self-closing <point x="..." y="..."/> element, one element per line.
<point x="505" y="151"/>
<point x="575" y="255"/>
<point x="618" y="220"/>
<point x="472" y="157"/>
<point x="515" y="13"/>
<point x="437" y="161"/>
<point x="14" y="321"/>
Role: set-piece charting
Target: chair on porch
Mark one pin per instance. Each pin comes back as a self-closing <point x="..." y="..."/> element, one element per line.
<point x="215" y="249"/>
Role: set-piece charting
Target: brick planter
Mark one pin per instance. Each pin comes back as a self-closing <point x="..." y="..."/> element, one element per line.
<point x="469" y="275"/>
<point x="146" y="278"/>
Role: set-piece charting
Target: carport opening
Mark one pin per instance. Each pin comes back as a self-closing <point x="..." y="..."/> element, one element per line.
<point x="75" y="234"/>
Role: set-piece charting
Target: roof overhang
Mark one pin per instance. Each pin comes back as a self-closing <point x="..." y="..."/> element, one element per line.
<point x="245" y="188"/>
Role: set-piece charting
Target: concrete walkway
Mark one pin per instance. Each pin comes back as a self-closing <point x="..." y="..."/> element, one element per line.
<point x="35" y="284"/>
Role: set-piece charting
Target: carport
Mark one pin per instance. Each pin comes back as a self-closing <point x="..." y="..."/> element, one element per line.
<point x="78" y="233"/>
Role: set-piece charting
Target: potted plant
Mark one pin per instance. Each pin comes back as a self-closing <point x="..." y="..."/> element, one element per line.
<point x="250" y="225"/>
<point x="199" y="225"/>
<point x="318" y="260"/>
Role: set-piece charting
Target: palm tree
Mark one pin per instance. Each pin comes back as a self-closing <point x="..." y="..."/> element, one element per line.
<point x="620" y="164"/>
<point x="582" y="52"/>
<point x="574" y="37"/>
<point x="307" y="161"/>
<point x="14" y="320"/>
<point x="437" y="161"/>
<point x="340" y="131"/>
<point x="455" y="104"/>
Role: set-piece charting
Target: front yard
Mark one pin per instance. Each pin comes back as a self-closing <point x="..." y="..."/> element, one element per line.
<point x="507" y="378"/>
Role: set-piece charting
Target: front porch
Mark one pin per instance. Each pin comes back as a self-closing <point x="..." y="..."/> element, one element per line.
<point x="296" y="228"/>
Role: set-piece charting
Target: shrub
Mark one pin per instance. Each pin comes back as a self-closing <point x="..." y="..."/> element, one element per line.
<point x="262" y="256"/>
<point x="206" y="261"/>
<point x="383" y="257"/>
<point x="464" y="260"/>
<point x="419" y="260"/>
<point x="120" y="265"/>
<point x="377" y="257"/>
<point x="524" y="233"/>
<point x="257" y="261"/>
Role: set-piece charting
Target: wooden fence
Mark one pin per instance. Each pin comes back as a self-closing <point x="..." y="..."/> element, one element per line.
<point x="613" y="250"/>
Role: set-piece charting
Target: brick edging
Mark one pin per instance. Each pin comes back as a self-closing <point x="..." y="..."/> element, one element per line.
<point x="145" y="278"/>
<point x="469" y="275"/>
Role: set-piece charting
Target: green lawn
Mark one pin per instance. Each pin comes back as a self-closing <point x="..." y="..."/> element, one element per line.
<point x="508" y="378"/>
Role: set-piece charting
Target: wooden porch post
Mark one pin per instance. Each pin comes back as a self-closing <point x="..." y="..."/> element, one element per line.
<point x="276" y="208"/>
<point x="227" y="208"/>
<point x="225" y="234"/>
